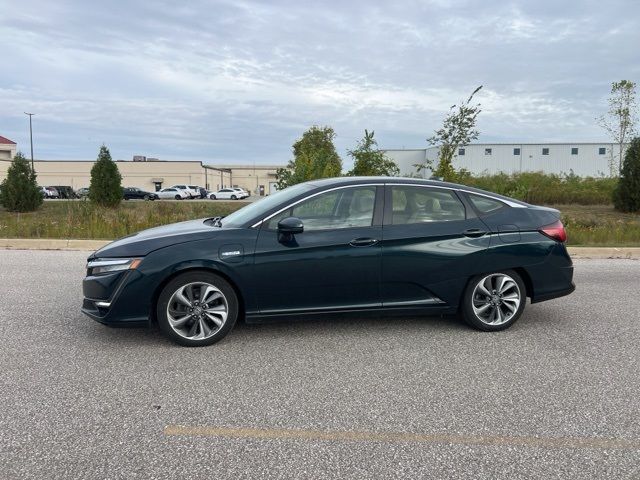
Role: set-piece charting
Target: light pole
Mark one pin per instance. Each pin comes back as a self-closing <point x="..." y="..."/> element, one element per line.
<point x="31" y="139"/>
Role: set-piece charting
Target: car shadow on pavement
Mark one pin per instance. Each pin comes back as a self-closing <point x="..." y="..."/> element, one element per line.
<point x="321" y="328"/>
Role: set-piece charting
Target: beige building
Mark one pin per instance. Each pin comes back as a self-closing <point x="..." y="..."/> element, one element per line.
<point x="7" y="149"/>
<point x="156" y="174"/>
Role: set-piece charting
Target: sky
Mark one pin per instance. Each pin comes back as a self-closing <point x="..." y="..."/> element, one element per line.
<point x="233" y="82"/>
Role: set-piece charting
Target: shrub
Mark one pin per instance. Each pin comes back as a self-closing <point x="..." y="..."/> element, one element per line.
<point x="626" y="196"/>
<point x="105" y="188"/>
<point x="538" y="187"/>
<point x="20" y="192"/>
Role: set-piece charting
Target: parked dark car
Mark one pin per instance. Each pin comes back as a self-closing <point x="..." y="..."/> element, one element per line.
<point x="365" y="245"/>
<point x="131" y="193"/>
<point x="66" y="192"/>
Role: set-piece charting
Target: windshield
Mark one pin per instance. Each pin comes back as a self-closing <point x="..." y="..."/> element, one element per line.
<point x="259" y="208"/>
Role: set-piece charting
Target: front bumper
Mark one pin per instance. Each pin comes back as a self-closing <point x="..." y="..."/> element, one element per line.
<point x="111" y="299"/>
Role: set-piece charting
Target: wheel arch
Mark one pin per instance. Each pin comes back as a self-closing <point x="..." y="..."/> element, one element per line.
<point x="190" y="269"/>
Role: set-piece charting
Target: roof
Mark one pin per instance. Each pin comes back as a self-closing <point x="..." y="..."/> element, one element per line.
<point x="5" y="140"/>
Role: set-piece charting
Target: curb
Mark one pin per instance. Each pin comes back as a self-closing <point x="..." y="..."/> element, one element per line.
<point x="51" y="244"/>
<point x="92" y="245"/>
<point x="605" y="252"/>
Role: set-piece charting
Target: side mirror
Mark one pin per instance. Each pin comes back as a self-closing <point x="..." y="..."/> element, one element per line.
<point x="290" y="226"/>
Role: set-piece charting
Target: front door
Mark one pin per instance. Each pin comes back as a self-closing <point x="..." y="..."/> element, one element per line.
<point x="334" y="264"/>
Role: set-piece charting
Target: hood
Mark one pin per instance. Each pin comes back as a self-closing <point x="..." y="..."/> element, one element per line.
<point x="141" y="243"/>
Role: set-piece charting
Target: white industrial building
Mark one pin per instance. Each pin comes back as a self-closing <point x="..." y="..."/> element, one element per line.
<point x="583" y="159"/>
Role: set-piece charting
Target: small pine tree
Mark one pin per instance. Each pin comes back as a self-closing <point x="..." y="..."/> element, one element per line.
<point x="20" y="191"/>
<point x="105" y="188"/>
<point x="626" y="196"/>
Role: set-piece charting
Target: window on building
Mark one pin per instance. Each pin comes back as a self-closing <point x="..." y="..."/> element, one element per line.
<point x="487" y="151"/>
<point x="421" y="204"/>
<point x="545" y="151"/>
<point x="516" y="151"/>
<point x="602" y="151"/>
<point x="574" y="150"/>
<point x="461" y="152"/>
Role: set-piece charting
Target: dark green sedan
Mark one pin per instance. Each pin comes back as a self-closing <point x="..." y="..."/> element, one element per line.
<point x="365" y="245"/>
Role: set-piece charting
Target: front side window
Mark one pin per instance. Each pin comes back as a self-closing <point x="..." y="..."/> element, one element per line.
<point x="341" y="208"/>
<point x="411" y="204"/>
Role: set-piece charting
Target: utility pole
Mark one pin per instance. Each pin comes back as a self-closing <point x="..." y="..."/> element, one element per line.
<point x="31" y="139"/>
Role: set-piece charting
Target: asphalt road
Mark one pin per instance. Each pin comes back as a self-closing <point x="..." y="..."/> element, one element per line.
<point x="556" y="396"/>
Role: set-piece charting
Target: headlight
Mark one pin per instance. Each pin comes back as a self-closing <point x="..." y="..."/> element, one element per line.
<point x="104" y="265"/>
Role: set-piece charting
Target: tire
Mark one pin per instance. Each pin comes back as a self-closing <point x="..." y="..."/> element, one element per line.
<point x="146" y="198"/>
<point x="484" y="302"/>
<point x="233" y="197"/>
<point x="178" y="197"/>
<point x="185" y="321"/>
<point x="212" y="197"/>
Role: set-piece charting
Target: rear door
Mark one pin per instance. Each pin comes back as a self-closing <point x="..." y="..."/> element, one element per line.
<point x="431" y="243"/>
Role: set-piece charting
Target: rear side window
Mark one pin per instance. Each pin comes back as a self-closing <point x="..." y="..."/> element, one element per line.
<point x="410" y="204"/>
<point x="485" y="204"/>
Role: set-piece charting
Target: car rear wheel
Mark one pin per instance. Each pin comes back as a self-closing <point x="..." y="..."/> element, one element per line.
<point x="147" y="198"/>
<point x="212" y="197"/>
<point x="197" y="309"/>
<point x="494" y="301"/>
<point x="178" y="197"/>
<point x="233" y="197"/>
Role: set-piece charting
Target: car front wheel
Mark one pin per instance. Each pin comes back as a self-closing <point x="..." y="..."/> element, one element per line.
<point x="494" y="301"/>
<point x="197" y="309"/>
<point x="212" y="197"/>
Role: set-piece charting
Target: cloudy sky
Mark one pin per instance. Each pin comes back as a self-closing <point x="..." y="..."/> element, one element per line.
<point x="238" y="81"/>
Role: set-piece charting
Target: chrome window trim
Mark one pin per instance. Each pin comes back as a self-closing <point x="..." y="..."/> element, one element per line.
<point x="442" y="187"/>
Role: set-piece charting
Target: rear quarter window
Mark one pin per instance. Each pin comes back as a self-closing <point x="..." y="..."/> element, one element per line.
<point x="485" y="205"/>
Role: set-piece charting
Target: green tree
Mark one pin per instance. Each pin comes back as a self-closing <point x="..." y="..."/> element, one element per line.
<point x="626" y="196"/>
<point x="20" y="191"/>
<point x="314" y="156"/>
<point x="458" y="130"/>
<point x="620" y="120"/>
<point x="369" y="161"/>
<point x="105" y="188"/>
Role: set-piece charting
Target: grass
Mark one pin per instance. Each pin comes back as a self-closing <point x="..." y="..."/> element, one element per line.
<point x="83" y="220"/>
<point x="588" y="225"/>
<point x="600" y="226"/>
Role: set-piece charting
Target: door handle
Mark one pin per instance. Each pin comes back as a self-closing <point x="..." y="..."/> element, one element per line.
<point x="473" y="232"/>
<point x="363" y="242"/>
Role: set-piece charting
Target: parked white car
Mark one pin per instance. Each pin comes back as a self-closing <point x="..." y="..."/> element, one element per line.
<point x="241" y="191"/>
<point x="190" y="193"/>
<point x="226" y="194"/>
<point x="172" y="193"/>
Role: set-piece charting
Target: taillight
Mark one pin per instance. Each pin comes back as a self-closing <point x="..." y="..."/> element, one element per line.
<point x="555" y="231"/>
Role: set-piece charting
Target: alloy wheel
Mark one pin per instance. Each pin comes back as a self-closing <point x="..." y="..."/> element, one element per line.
<point x="496" y="299"/>
<point x="197" y="311"/>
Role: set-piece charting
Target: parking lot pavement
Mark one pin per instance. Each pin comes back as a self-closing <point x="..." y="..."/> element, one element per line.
<point x="556" y="396"/>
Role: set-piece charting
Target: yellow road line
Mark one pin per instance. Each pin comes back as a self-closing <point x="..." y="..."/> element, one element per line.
<point x="395" y="437"/>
